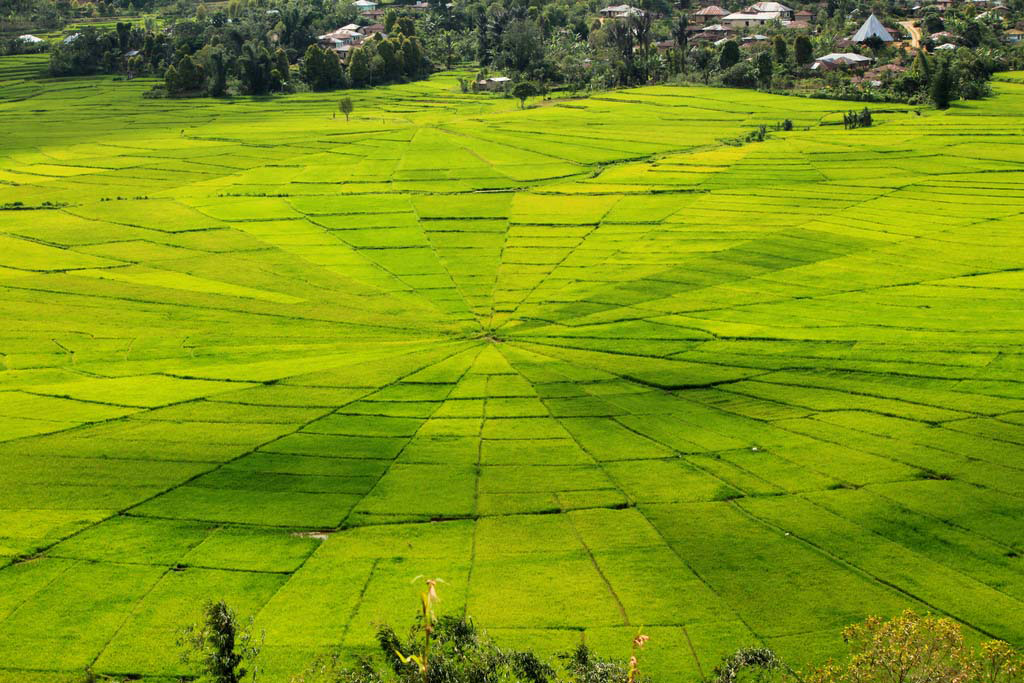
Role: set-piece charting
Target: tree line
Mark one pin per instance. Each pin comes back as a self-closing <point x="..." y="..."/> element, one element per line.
<point x="248" y="50"/>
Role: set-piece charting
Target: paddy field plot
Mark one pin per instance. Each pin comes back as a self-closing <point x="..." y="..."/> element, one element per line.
<point x="587" y="362"/>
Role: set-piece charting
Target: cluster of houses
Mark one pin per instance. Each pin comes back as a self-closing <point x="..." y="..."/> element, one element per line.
<point x="347" y="38"/>
<point x="373" y="11"/>
<point x="712" y="23"/>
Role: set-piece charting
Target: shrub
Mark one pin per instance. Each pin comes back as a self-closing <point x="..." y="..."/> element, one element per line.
<point x="915" y="649"/>
<point x="451" y="649"/>
<point x="729" y="55"/>
<point x="742" y="75"/>
<point x="762" y="661"/>
<point x="222" y="649"/>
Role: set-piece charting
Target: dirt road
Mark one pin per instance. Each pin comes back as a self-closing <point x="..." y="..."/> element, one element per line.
<point x="915" y="33"/>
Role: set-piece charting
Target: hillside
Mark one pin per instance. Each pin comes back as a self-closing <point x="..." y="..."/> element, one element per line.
<point x="587" y="362"/>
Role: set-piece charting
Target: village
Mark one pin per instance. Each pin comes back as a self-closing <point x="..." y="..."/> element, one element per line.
<point x="838" y="49"/>
<point x="875" y="52"/>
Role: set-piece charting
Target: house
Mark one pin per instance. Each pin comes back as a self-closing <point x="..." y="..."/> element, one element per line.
<point x="880" y="71"/>
<point x="494" y="83"/>
<point x="374" y="14"/>
<point x="709" y="15"/>
<point x="946" y="46"/>
<point x="419" y="7"/>
<point x="1014" y="35"/>
<point x="997" y="12"/>
<point x="364" y="5"/>
<point x="29" y="38"/>
<point x="797" y="25"/>
<point x="876" y="76"/>
<point x="747" y="19"/>
<point x="341" y="41"/>
<point x="756" y="38"/>
<point x="872" y="29"/>
<point x="716" y="34"/>
<point x="665" y="45"/>
<point x="350" y="27"/>
<point x="803" y="15"/>
<point x="841" y="60"/>
<point x="716" y="31"/>
<point x="620" y="12"/>
<point x="372" y="29"/>
<point x="777" y="8"/>
<point x="338" y="37"/>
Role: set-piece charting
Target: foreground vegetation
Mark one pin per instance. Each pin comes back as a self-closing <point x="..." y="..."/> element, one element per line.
<point x="906" y="649"/>
<point x="598" y="364"/>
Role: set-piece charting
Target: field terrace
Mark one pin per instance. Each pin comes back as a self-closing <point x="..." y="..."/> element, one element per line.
<point x="587" y="363"/>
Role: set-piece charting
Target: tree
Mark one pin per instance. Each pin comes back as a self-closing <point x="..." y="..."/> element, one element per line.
<point x="218" y="73"/>
<point x="407" y="27"/>
<point x="764" y="70"/>
<point x="390" y="19"/>
<point x="255" y="69"/>
<point x="971" y="35"/>
<point x="780" y="48"/>
<point x="922" y="66"/>
<point x="915" y="649"/>
<point x="281" y="66"/>
<point x="219" y="645"/>
<point x="412" y="57"/>
<point x="730" y="54"/>
<point x="803" y="52"/>
<point x="522" y="91"/>
<point x="359" y="68"/>
<point x="704" y="60"/>
<point x="942" y="86"/>
<point x="185" y="77"/>
<point x="321" y="69"/>
<point x="682" y="38"/>
<point x="345" y="107"/>
<point x="640" y="26"/>
<point x="391" y="52"/>
<point x="932" y="23"/>
<point x="520" y="49"/>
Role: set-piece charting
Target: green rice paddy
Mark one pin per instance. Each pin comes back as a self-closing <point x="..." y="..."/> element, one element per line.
<point x="585" y="362"/>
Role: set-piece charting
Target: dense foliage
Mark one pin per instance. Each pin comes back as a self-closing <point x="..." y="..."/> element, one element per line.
<point x="250" y="49"/>
<point x="261" y="46"/>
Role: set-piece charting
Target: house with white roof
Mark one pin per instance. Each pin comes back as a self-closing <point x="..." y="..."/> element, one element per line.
<point x="840" y="60"/>
<point x="620" y="12"/>
<point x="781" y="11"/>
<point x="872" y="29"/>
<point x="748" y="19"/>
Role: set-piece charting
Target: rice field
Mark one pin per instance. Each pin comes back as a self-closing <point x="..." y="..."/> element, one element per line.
<point x="589" y="363"/>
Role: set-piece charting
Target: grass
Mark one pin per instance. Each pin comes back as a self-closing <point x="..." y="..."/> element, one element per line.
<point x="587" y="363"/>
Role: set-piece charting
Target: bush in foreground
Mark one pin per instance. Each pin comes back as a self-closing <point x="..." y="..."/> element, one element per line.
<point x="915" y="649"/>
<point x="906" y="649"/>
